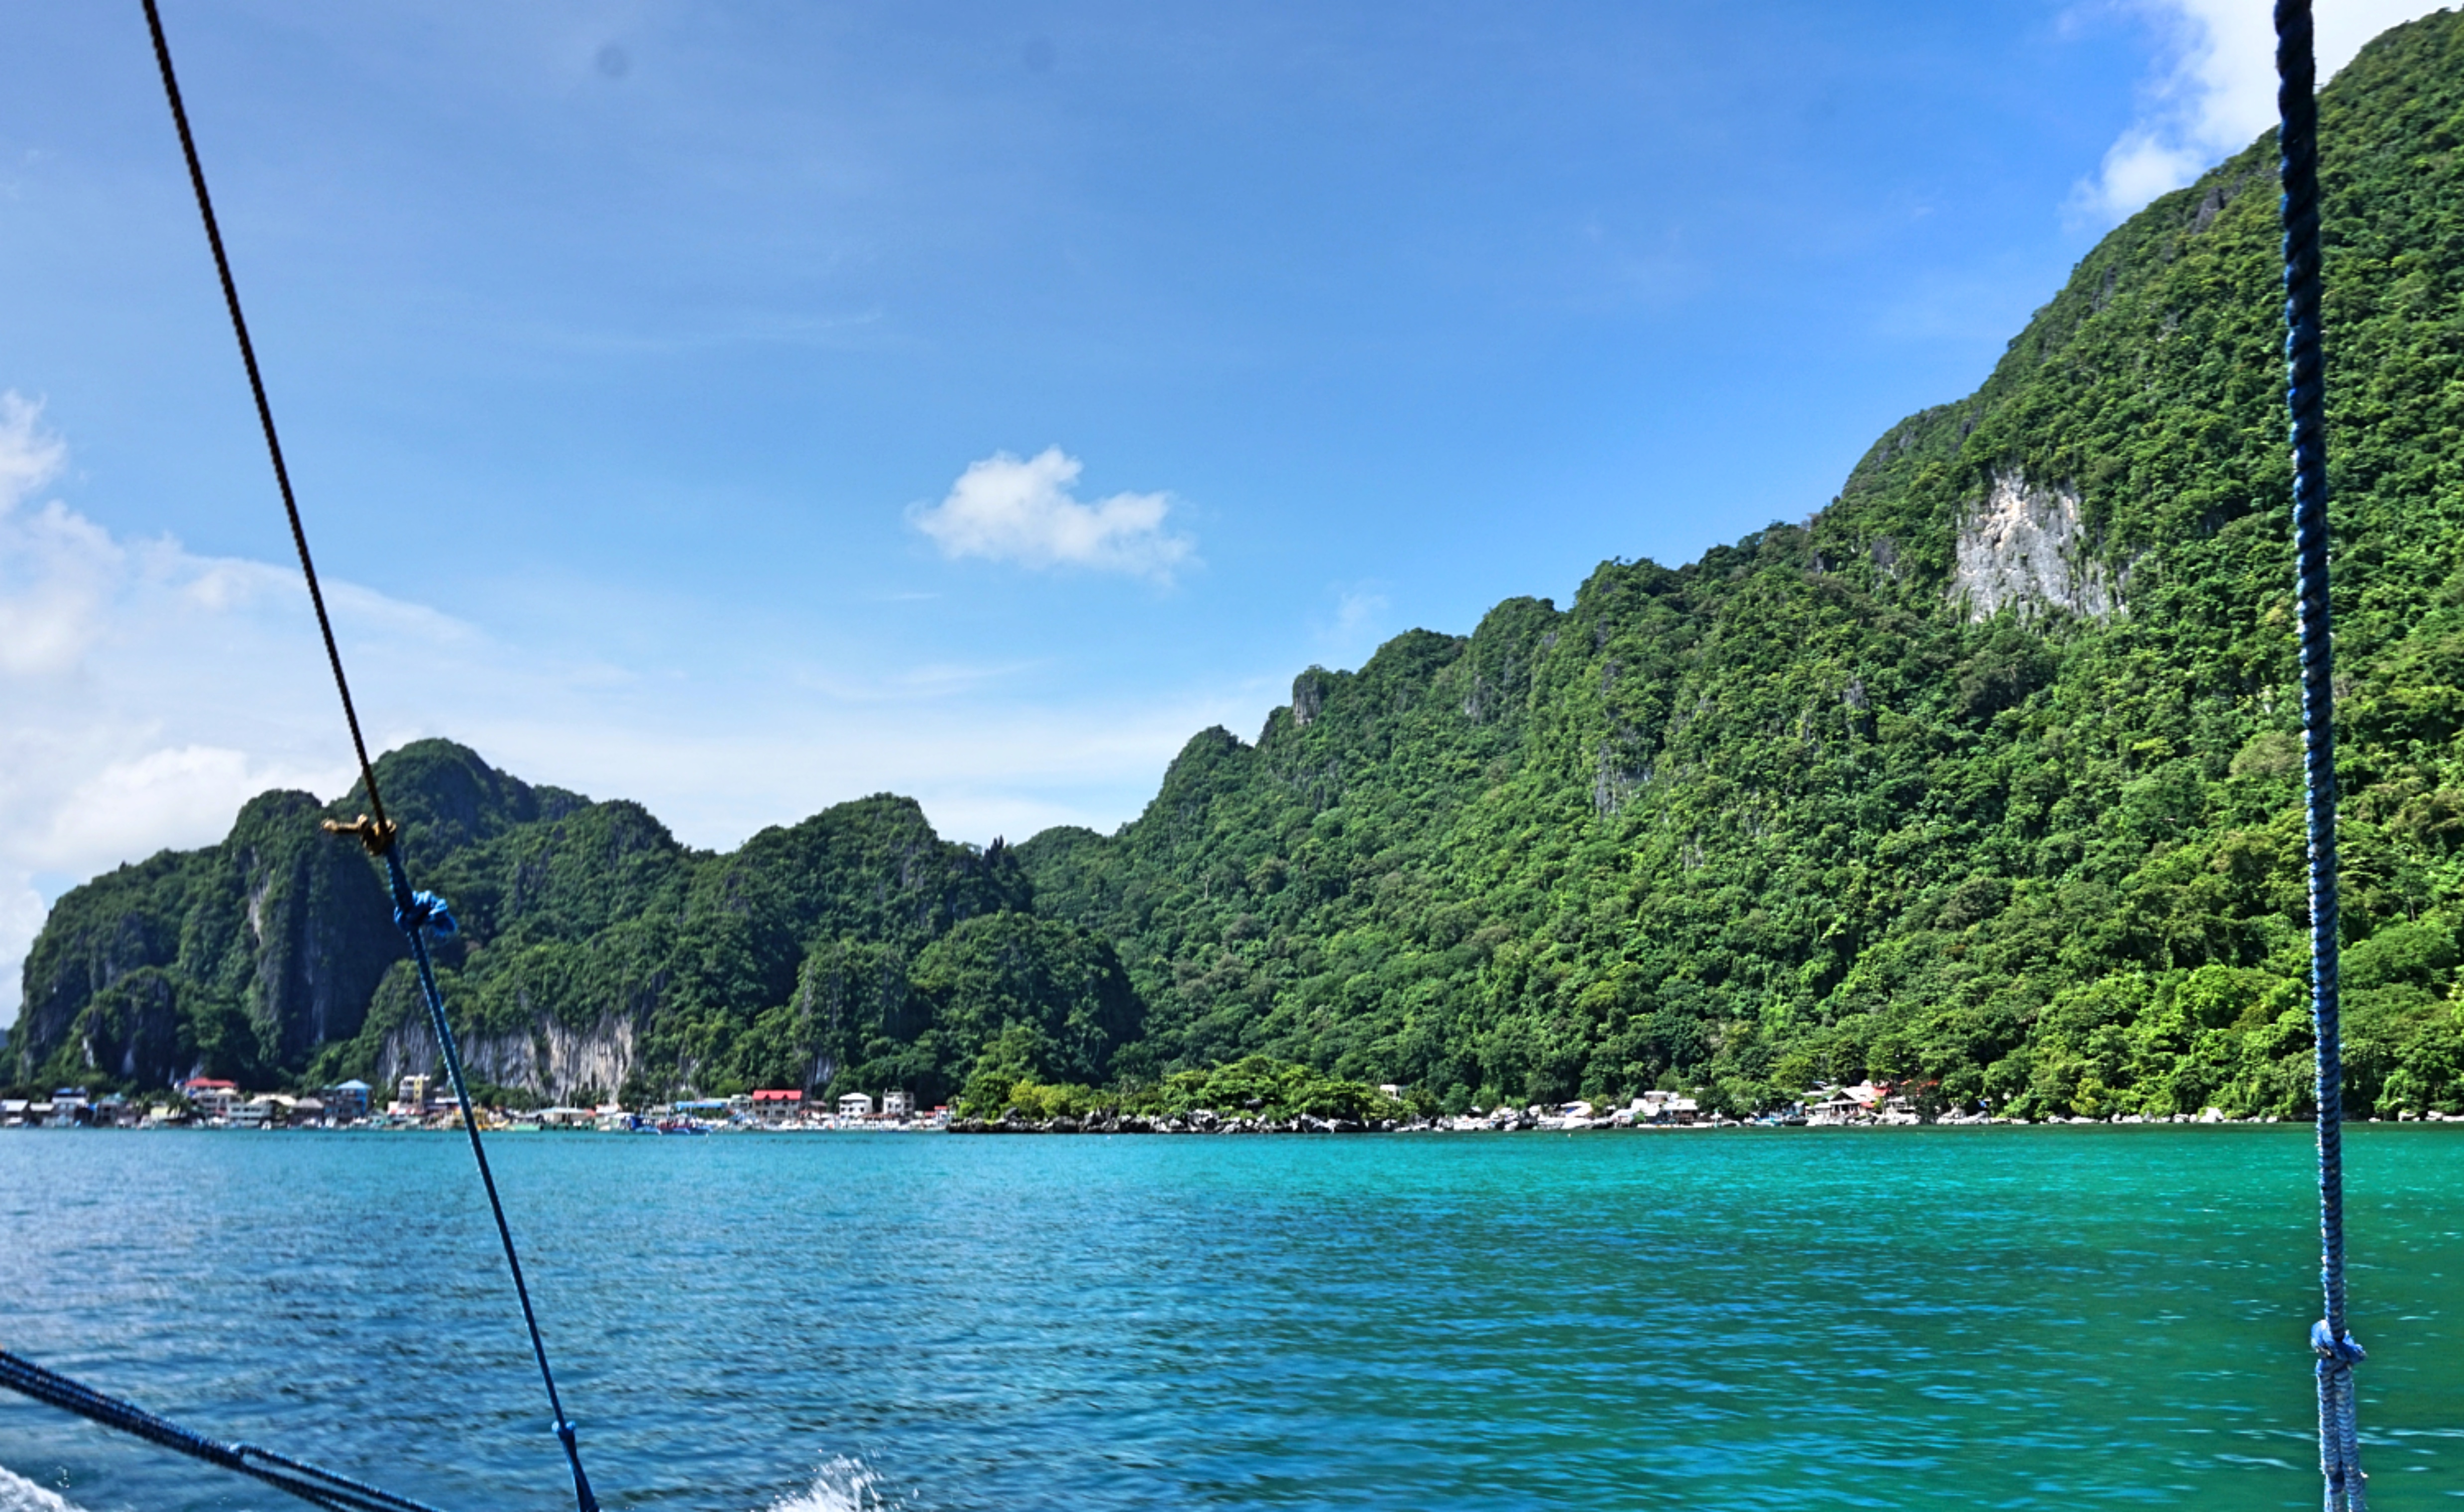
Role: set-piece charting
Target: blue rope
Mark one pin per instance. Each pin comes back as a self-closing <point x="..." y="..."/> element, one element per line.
<point x="420" y="914"/>
<point x="319" y="1487"/>
<point x="428" y="911"/>
<point x="2339" y="1458"/>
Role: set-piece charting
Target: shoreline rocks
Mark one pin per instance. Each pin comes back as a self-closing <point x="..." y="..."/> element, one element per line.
<point x="1204" y="1121"/>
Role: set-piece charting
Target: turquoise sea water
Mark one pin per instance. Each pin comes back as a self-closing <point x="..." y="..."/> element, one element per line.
<point x="2048" y="1318"/>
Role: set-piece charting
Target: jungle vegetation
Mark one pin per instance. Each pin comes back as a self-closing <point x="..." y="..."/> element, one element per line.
<point x="1860" y="797"/>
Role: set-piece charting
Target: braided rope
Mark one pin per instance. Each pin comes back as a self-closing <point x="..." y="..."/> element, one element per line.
<point x="2340" y="1462"/>
<point x="419" y="913"/>
<point x="317" y="1487"/>
<point x="264" y="407"/>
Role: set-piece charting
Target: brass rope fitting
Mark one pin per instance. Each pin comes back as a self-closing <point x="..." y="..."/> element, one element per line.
<point x="377" y="835"/>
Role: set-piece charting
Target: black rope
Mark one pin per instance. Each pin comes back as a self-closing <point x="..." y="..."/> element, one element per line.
<point x="410" y="911"/>
<point x="306" y="1481"/>
<point x="264" y="411"/>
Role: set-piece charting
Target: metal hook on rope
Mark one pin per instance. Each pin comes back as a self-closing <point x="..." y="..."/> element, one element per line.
<point x="374" y="834"/>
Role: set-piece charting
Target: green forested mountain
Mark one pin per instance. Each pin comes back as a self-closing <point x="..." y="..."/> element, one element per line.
<point x="597" y="955"/>
<point x="1984" y="778"/>
<point x="1986" y="775"/>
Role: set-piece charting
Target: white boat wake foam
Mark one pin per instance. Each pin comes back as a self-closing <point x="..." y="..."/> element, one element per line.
<point x="842" y="1485"/>
<point x="17" y="1494"/>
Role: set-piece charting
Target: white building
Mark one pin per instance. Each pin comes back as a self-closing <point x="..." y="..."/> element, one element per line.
<point x="856" y="1105"/>
<point x="1656" y="1106"/>
<point x="897" y="1105"/>
<point x="211" y="1098"/>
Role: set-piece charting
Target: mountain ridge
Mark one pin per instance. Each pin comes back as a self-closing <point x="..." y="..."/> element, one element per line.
<point x="1981" y="780"/>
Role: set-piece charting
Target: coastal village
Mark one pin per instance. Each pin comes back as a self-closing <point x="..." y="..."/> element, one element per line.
<point x="428" y="1103"/>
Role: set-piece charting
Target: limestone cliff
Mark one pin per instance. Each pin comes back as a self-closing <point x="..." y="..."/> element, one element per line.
<point x="274" y="941"/>
<point x="2024" y="549"/>
<point x="597" y="956"/>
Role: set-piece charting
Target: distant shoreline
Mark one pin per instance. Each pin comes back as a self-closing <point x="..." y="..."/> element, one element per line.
<point x="1239" y="1126"/>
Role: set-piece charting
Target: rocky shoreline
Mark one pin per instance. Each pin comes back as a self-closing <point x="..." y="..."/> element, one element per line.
<point x="1197" y="1123"/>
<point x="1205" y="1121"/>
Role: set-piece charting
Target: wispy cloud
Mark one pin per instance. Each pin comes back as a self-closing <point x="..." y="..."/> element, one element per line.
<point x="1350" y="633"/>
<point x="1357" y="609"/>
<point x="149" y="691"/>
<point x="28" y="456"/>
<point x="105" y="759"/>
<point x="1005" y="509"/>
<point x="2214" y="90"/>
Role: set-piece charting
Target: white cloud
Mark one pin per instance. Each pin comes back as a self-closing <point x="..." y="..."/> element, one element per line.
<point x="1008" y="510"/>
<point x="28" y="458"/>
<point x="1352" y="632"/>
<point x="53" y="566"/>
<point x="2215" y="91"/>
<point x="129" y="807"/>
<point x="1356" y="609"/>
<point x="146" y="692"/>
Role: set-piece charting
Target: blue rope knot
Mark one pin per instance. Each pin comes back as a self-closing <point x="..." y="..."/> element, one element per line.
<point x="427" y="912"/>
<point x="564" y="1431"/>
<point x="2345" y="1352"/>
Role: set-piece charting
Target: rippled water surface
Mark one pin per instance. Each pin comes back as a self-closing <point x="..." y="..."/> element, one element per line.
<point x="2050" y="1318"/>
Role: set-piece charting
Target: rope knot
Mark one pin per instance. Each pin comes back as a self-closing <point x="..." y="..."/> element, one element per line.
<point x="427" y="912"/>
<point x="2345" y="1352"/>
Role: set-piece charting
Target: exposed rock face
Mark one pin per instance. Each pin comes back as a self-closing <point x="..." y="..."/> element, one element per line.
<point x="323" y="934"/>
<point x="280" y="920"/>
<point x="551" y="1059"/>
<point x="2023" y="548"/>
<point x="1615" y="781"/>
<point x="87" y="956"/>
<point x="131" y="1029"/>
<point x="1308" y="696"/>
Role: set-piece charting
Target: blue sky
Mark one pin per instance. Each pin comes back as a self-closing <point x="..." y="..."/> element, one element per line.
<point x="744" y="408"/>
